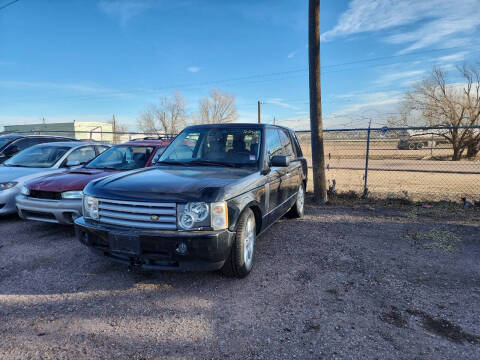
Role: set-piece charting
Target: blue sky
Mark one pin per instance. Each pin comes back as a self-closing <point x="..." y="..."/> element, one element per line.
<point x="89" y="59"/>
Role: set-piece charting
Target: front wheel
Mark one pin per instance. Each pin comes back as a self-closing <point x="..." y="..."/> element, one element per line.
<point x="297" y="210"/>
<point x="240" y="261"/>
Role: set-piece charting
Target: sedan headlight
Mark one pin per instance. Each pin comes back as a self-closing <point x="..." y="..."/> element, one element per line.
<point x="90" y="207"/>
<point x="25" y="190"/>
<point x="72" y="195"/>
<point x="197" y="215"/>
<point x="7" y="185"/>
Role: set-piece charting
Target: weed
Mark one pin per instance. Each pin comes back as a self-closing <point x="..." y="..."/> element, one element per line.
<point x="441" y="239"/>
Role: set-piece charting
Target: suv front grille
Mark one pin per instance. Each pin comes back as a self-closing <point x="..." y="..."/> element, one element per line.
<point x="47" y="195"/>
<point x="143" y="215"/>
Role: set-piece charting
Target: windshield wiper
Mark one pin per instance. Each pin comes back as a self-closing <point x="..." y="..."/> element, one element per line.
<point x="210" y="162"/>
<point x="172" y="162"/>
<point x="14" y="165"/>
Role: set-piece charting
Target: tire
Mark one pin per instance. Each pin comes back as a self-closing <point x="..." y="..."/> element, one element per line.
<point x="240" y="261"/>
<point x="419" y="146"/>
<point x="298" y="208"/>
<point x="411" y="146"/>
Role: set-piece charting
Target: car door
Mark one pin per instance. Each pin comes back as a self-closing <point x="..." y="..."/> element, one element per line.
<point x="292" y="177"/>
<point x="275" y="178"/>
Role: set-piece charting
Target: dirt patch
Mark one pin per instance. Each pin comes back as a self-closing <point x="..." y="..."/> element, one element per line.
<point x="394" y="317"/>
<point x="445" y="328"/>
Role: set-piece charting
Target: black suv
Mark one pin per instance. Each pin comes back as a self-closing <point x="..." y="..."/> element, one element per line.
<point x="12" y="144"/>
<point x="214" y="190"/>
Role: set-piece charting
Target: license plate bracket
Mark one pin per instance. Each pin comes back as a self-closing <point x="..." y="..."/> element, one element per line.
<point x="124" y="243"/>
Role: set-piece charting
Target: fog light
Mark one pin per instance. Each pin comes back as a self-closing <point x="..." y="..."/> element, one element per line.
<point x="181" y="249"/>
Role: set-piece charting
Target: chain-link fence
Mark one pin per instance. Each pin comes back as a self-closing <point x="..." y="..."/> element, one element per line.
<point x="413" y="163"/>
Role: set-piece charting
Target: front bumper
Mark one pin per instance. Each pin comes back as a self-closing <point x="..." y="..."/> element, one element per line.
<point x="7" y="200"/>
<point x="159" y="250"/>
<point x="53" y="211"/>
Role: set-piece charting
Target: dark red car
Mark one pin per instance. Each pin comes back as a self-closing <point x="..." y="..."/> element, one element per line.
<point x="58" y="198"/>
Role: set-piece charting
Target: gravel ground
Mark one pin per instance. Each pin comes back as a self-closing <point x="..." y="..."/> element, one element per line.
<point x="345" y="282"/>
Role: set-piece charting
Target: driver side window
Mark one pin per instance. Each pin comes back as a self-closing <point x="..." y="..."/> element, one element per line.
<point x="82" y="155"/>
<point x="274" y="144"/>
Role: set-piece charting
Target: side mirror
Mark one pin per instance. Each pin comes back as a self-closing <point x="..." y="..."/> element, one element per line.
<point x="71" y="163"/>
<point x="280" y="161"/>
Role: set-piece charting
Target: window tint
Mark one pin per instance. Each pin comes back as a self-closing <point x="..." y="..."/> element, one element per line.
<point x="38" y="156"/>
<point x="274" y="144"/>
<point x="159" y="152"/>
<point x="287" y="148"/>
<point x="101" y="148"/>
<point x="122" y="157"/>
<point x="82" y="155"/>
<point x="236" y="146"/>
<point x="22" y="144"/>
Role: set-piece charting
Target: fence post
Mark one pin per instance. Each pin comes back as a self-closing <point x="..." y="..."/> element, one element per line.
<point x="365" y="188"/>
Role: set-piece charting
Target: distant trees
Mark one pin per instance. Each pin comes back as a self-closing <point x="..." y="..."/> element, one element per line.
<point x="170" y="115"/>
<point x="450" y="104"/>
<point x="218" y="108"/>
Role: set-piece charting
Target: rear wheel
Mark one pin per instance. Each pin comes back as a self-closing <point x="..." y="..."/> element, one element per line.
<point x="297" y="210"/>
<point x="240" y="261"/>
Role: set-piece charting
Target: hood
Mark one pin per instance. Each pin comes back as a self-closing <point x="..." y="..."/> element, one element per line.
<point x="21" y="174"/>
<point x="69" y="180"/>
<point x="172" y="184"/>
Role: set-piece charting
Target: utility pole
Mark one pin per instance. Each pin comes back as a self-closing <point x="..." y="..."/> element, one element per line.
<point x="259" y="113"/>
<point x="316" y="124"/>
<point x="114" y="129"/>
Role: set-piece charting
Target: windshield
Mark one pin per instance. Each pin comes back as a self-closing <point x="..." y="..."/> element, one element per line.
<point x="217" y="146"/>
<point x="122" y="157"/>
<point x="38" y="157"/>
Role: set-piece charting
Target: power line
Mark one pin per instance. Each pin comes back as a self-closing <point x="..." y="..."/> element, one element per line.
<point x="241" y="80"/>
<point x="8" y="4"/>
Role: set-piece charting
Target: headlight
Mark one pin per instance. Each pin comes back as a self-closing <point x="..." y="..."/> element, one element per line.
<point x="7" y="185"/>
<point x="25" y="190"/>
<point x="72" y="195"/>
<point x="195" y="215"/>
<point x="90" y="207"/>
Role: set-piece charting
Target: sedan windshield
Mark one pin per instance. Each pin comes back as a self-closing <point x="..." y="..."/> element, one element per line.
<point x="214" y="146"/>
<point x="38" y="157"/>
<point x="122" y="157"/>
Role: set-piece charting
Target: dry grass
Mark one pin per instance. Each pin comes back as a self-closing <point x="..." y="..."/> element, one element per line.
<point x="346" y="162"/>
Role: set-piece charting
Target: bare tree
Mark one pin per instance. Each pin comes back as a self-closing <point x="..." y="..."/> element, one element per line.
<point x="452" y="105"/>
<point x="168" y="117"/>
<point x="218" y="108"/>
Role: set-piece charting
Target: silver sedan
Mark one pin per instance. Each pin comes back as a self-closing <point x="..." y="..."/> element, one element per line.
<point x="41" y="160"/>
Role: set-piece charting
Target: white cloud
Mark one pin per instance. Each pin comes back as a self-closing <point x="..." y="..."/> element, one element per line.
<point x="124" y="10"/>
<point x="292" y="54"/>
<point x="395" y="77"/>
<point x="193" y="69"/>
<point x="80" y="88"/>
<point x="280" y="102"/>
<point x="435" y="22"/>
<point x="460" y="56"/>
